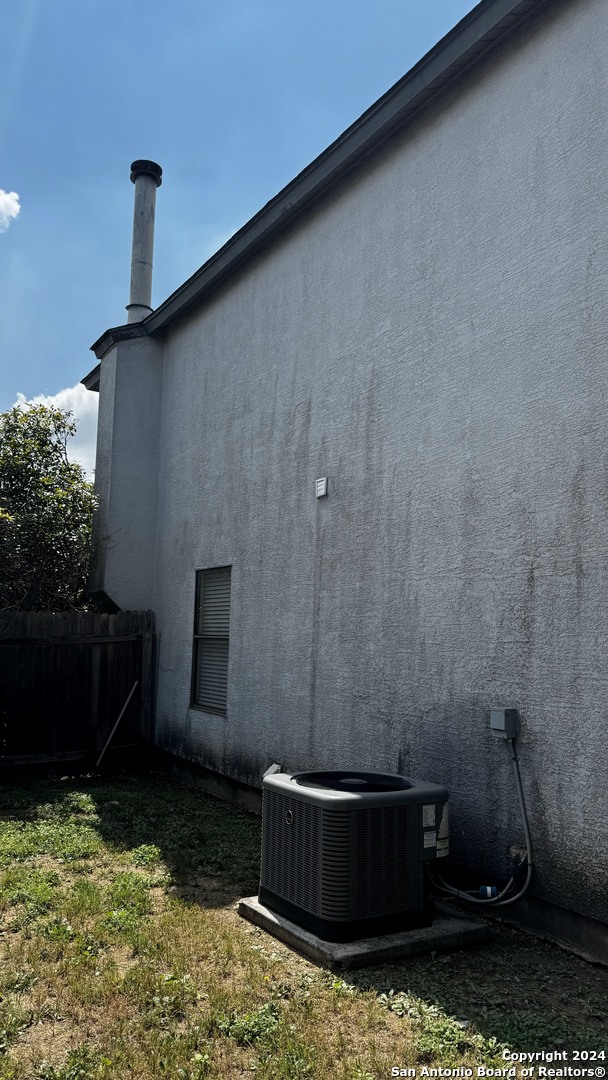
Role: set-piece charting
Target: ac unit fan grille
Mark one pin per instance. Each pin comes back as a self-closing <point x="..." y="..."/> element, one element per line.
<point x="358" y="782"/>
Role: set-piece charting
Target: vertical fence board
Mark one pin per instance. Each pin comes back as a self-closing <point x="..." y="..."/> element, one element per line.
<point x="147" y="673"/>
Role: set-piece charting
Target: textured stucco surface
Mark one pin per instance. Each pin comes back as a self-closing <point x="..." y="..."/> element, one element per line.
<point x="126" y="472"/>
<point x="433" y="339"/>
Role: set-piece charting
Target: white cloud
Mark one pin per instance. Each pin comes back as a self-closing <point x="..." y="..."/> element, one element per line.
<point x="83" y="404"/>
<point x="9" y="208"/>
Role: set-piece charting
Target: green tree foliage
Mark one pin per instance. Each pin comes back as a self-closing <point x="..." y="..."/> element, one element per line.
<point x="46" y="508"/>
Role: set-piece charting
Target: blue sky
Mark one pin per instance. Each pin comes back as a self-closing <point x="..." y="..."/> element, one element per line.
<point x="232" y="98"/>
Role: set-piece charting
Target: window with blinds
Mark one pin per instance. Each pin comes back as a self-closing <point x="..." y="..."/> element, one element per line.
<point x="211" y="632"/>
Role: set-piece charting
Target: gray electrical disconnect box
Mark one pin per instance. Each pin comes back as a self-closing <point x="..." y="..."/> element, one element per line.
<point x="503" y="723"/>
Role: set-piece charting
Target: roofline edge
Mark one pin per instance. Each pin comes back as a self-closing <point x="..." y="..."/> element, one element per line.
<point x="472" y="38"/>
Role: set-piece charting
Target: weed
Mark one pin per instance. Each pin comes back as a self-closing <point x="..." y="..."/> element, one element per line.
<point x="161" y="999"/>
<point x="35" y="889"/>
<point x="85" y="898"/>
<point x="280" y="990"/>
<point x="82" y="1063"/>
<point x="59" y="930"/>
<point x="128" y="892"/>
<point x="13" y="1020"/>
<point x="18" y="982"/>
<point x="171" y="998"/>
<point x="87" y="945"/>
<point x="287" y="1057"/>
<point x="8" y="1070"/>
<point x="146" y="855"/>
<point x="67" y="804"/>
<point x="161" y="879"/>
<point x="66" y="840"/>
<point x="120" y="922"/>
<point x="188" y="1047"/>
<point x="438" y="1035"/>
<point x="198" y="1068"/>
<point x="260" y="1023"/>
<point x="357" y="1072"/>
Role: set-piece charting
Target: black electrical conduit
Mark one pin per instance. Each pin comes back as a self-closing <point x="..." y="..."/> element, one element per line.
<point x="498" y="901"/>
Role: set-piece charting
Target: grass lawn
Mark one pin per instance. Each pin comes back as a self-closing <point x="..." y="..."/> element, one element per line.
<point x="122" y="956"/>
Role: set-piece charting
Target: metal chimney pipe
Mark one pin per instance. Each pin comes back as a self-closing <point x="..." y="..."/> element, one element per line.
<point x="147" y="176"/>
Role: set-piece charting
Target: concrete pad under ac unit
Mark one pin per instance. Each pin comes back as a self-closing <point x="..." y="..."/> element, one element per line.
<point x="449" y="931"/>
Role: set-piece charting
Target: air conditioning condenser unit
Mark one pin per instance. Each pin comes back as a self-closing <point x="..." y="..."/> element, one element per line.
<point x="343" y="852"/>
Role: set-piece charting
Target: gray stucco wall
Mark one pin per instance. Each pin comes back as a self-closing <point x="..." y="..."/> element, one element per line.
<point x="433" y="339"/>
<point x="126" y="472"/>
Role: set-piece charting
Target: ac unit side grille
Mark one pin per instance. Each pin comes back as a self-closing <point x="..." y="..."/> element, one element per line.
<point x="340" y="864"/>
<point x="383" y="878"/>
<point x="290" y="850"/>
<point x="336" y="865"/>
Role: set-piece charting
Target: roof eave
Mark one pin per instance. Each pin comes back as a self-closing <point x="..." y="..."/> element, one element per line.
<point x="91" y="381"/>
<point x="107" y="341"/>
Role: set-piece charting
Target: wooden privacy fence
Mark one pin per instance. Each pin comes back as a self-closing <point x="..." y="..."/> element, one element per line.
<point x="64" y="679"/>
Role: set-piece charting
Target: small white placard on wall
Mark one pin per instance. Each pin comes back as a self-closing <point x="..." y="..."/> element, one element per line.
<point x="321" y="487"/>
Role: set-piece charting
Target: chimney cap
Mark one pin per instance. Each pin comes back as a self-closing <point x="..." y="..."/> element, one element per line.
<point x="147" y="168"/>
